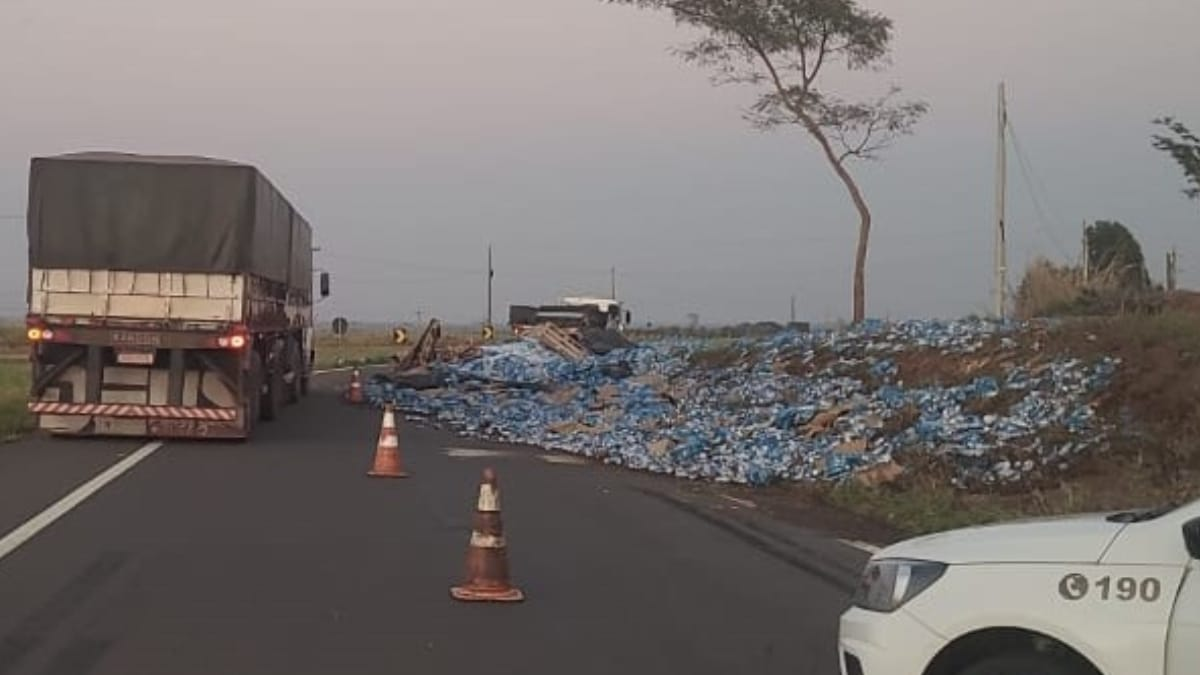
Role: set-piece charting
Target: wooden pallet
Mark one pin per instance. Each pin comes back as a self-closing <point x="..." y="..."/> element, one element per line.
<point x="558" y="341"/>
<point x="424" y="351"/>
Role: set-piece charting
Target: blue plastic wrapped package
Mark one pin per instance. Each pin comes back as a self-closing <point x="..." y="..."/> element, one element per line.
<point x="754" y="423"/>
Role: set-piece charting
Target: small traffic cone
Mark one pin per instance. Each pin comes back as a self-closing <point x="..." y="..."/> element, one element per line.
<point x="354" y="394"/>
<point x="487" y="557"/>
<point x="387" y="452"/>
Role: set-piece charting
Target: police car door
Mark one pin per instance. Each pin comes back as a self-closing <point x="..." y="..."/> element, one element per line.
<point x="1183" y="641"/>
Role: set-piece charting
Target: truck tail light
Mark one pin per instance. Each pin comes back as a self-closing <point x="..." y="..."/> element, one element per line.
<point x="237" y="339"/>
<point x="38" y="334"/>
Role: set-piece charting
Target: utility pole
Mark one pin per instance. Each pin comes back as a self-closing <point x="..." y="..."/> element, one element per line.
<point x="613" y="283"/>
<point x="1000" y="260"/>
<point x="1087" y="256"/>
<point x="419" y="314"/>
<point x="491" y="273"/>
<point x="793" y="308"/>
<point x="1172" y="269"/>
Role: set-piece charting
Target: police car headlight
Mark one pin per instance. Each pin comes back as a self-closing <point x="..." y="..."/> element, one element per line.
<point x="889" y="583"/>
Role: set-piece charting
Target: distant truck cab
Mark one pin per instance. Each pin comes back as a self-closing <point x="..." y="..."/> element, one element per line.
<point x="1115" y="594"/>
<point x="168" y="296"/>
<point x="572" y="313"/>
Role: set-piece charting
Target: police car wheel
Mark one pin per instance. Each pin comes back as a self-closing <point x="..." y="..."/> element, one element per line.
<point x="1021" y="664"/>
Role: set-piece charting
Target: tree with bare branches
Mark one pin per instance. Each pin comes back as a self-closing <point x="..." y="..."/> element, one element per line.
<point x="786" y="46"/>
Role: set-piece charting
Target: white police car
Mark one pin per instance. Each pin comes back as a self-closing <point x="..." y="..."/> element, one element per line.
<point x="1111" y="594"/>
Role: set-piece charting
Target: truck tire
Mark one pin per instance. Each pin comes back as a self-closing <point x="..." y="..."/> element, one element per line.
<point x="1022" y="663"/>
<point x="297" y="388"/>
<point x="272" y="398"/>
<point x="252" y="403"/>
<point x="308" y="367"/>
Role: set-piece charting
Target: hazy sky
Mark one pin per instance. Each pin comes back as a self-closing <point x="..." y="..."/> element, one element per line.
<point x="413" y="133"/>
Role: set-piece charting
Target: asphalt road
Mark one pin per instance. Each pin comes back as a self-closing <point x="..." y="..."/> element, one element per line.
<point x="281" y="556"/>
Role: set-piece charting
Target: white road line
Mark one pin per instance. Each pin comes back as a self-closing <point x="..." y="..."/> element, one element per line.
<point x="473" y="453"/>
<point x="569" y="460"/>
<point x="861" y="545"/>
<point x="13" y="540"/>
<point x="740" y="502"/>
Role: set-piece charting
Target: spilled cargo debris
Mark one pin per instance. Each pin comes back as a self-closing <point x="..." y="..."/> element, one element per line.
<point x="793" y="406"/>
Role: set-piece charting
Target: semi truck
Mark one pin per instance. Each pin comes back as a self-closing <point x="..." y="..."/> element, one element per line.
<point x="168" y="296"/>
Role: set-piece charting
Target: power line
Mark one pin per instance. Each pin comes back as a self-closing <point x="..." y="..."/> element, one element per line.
<point x="1029" y="179"/>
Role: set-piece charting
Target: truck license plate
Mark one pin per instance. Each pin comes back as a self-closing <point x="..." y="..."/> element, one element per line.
<point x="135" y="357"/>
<point x="169" y="427"/>
<point x="122" y="337"/>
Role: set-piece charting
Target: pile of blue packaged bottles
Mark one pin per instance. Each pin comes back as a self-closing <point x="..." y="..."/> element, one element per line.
<point x="656" y="407"/>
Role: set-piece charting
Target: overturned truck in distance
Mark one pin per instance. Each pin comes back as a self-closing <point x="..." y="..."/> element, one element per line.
<point x="168" y="296"/>
<point x="571" y="313"/>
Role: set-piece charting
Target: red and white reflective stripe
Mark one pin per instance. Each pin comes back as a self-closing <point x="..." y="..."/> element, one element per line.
<point x="127" y="410"/>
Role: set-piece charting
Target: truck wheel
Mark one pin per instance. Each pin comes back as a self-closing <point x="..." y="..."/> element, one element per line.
<point x="312" y="359"/>
<point x="1022" y="663"/>
<point x="298" y="387"/>
<point x="272" y="398"/>
<point x="253" y="394"/>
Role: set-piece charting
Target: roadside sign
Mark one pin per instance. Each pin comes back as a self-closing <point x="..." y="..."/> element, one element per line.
<point x="489" y="333"/>
<point x="341" y="326"/>
<point x="399" y="336"/>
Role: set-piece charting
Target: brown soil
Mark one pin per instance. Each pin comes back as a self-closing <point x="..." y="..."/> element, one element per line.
<point x="928" y="367"/>
<point x="1183" y="301"/>
<point x="996" y="405"/>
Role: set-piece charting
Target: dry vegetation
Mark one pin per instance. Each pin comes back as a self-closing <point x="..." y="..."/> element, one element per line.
<point x="1048" y="289"/>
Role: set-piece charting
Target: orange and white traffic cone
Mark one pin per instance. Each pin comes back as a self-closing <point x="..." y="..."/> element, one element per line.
<point x="487" y="557"/>
<point x="387" y="451"/>
<point x="354" y="393"/>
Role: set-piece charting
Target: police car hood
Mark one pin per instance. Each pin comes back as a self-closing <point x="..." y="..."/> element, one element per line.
<point x="1074" y="539"/>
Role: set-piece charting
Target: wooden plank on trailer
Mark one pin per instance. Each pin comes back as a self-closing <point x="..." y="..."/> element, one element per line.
<point x="176" y="285"/>
<point x="122" y="282"/>
<point x="220" y="286"/>
<point x="37" y="301"/>
<point x="137" y="306"/>
<point x="58" y="281"/>
<point x="77" y="304"/>
<point x="101" y="281"/>
<point x="195" y="285"/>
<point x="79" y="281"/>
<point x="146" y="283"/>
<point x="202" y="309"/>
<point x="37" y="279"/>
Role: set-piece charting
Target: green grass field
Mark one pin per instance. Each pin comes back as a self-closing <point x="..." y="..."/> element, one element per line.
<point x="355" y="349"/>
<point x="14" y="390"/>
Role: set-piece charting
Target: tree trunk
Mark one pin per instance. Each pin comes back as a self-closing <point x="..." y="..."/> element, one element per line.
<point x="860" y="254"/>
<point x="864" y="222"/>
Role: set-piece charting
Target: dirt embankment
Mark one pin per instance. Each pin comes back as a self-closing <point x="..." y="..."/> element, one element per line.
<point x="1151" y="409"/>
